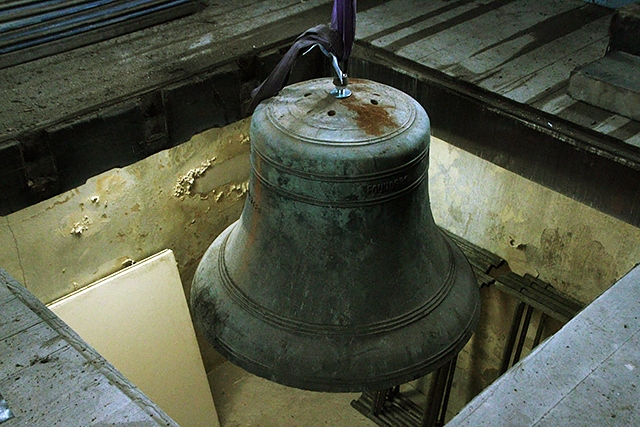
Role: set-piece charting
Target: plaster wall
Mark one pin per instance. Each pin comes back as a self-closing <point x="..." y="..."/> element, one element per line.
<point x="182" y="198"/>
<point x="179" y="199"/>
<point x="577" y="249"/>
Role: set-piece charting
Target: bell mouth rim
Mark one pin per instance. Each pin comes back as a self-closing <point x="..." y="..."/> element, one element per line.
<point x="302" y="327"/>
<point x="381" y="380"/>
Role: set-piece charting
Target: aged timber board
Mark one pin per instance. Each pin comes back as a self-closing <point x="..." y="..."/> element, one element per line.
<point x="50" y="376"/>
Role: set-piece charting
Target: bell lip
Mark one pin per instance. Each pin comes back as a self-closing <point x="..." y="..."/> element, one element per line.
<point x="338" y="386"/>
<point x="381" y="381"/>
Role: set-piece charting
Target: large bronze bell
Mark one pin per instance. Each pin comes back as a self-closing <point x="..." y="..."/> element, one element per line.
<point x="335" y="277"/>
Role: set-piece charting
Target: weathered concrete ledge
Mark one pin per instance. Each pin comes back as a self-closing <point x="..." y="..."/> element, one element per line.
<point x="587" y="374"/>
<point x="625" y="29"/>
<point x="612" y="83"/>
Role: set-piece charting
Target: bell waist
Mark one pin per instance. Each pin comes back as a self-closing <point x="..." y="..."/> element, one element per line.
<point x="347" y="190"/>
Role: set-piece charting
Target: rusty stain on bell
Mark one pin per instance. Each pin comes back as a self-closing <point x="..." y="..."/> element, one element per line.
<point x="372" y="116"/>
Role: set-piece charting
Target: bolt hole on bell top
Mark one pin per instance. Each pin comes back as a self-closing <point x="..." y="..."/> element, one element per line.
<point x="335" y="277"/>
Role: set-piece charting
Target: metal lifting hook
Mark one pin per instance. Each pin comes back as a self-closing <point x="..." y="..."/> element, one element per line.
<point x="341" y="80"/>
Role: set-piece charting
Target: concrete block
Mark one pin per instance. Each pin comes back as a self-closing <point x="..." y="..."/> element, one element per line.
<point x="112" y="137"/>
<point x="585" y="375"/>
<point x="39" y="166"/>
<point x="13" y="183"/>
<point x="10" y="156"/>
<point x="202" y="103"/>
<point x="624" y="30"/>
<point x="611" y="83"/>
<point x="156" y="135"/>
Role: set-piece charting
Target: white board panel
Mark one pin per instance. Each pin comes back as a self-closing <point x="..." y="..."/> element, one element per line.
<point x="138" y="319"/>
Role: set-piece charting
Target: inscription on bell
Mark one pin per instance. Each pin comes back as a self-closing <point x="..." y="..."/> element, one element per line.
<point x="387" y="186"/>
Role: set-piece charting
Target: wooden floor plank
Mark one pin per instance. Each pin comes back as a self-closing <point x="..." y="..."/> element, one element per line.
<point x="526" y="87"/>
<point x="629" y="132"/>
<point x="603" y="121"/>
<point x="474" y="40"/>
<point x="611" y="124"/>
<point x="549" y="64"/>
<point x="49" y="376"/>
<point x="584" y="375"/>
<point x="446" y="49"/>
<point x="133" y="416"/>
<point x="5" y="295"/>
<point x="524" y="50"/>
<point x="14" y="318"/>
<point x="584" y="114"/>
<point x="538" y="46"/>
<point x="555" y="103"/>
<point x="634" y="140"/>
<point x="50" y="391"/>
<point x="20" y="351"/>
<point x="390" y="22"/>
